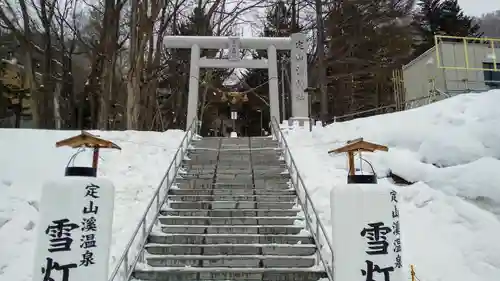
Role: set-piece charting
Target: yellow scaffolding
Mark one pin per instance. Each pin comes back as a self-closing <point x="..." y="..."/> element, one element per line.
<point x="493" y="44"/>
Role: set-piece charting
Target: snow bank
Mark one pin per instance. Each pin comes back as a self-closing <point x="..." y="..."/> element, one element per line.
<point x="29" y="157"/>
<point x="450" y="217"/>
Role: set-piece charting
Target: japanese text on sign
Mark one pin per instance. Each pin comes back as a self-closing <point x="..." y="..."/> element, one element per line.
<point x="60" y="241"/>
<point x="234" y="49"/>
<point x="89" y="228"/>
<point x="396" y="230"/>
<point x="299" y="70"/>
<point x="376" y="235"/>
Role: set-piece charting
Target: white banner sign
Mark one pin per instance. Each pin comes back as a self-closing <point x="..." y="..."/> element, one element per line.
<point x="74" y="230"/>
<point x="366" y="233"/>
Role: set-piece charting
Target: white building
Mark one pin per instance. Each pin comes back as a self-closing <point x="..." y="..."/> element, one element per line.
<point x="453" y="67"/>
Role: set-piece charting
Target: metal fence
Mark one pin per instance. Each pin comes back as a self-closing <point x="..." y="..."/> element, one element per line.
<point x="313" y="223"/>
<point x="133" y="252"/>
<point x="435" y="95"/>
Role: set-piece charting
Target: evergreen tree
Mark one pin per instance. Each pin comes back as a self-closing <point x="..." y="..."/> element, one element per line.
<point x="198" y="23"/>
<point x="366" y="41"/>
<point x="278" y="22"/>
<point x="435" y="17"/>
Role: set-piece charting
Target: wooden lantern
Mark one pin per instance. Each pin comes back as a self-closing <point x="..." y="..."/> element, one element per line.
<point x="358" y="146"/>
<point x="87" y="140"/>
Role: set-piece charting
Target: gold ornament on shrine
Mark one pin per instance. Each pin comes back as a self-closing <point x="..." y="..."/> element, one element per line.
<point x="234" y="97"/>
<point x="224" y="97"/>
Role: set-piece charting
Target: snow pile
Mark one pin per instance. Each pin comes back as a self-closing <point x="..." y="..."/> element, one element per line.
<point x="29" y="157"/>
<point x="451" y="149"/>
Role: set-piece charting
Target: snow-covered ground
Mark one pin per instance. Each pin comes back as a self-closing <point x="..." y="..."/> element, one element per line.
<point x="450" y="216"/>
<point x="29" y="157"/>
<point x="451" y="149"/>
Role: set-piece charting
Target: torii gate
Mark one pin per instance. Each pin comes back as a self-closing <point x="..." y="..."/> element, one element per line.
<point x="296" y="43"/>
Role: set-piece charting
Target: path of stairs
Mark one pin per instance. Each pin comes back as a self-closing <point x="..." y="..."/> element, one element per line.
<point x="231" y="217"/>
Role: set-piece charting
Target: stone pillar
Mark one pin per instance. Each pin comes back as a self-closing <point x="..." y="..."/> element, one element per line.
<point x="274" y="102"/>
<point x="194" y="80"/>
<point x="299" y="83"/>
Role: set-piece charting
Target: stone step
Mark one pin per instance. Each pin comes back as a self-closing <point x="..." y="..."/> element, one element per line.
<point x="266" y="153"/>
<point x="209" y="184"/>
<point x="260" y="164"/>
<point x="235" y="176"/>
<point x="226" y="163"/>
<point x="283" y="167"/>
<point x="230" y="171"/>
<point x="196" y="176"/>
<point x="269" y="172"/>
<point x="281" y="177"/>
<point x="231" y="212"/>
<point x="229" y="261"/>
<point x="225" y="273"/>
<point x="221" y="161"/>
<point x="271" y="161"/>
<point x="231" y="249"/>
<point x="211" y="205"/>
<point x="177" y="191"/>
<point x="184" y="220"/>
<point x="177" y="238"/>
<point x="263" y="146"/>
<point x="284" y="178"/>
<point x="232" y="229"/>
<point x="233" y="158"/>
<point x="219" y="197"/>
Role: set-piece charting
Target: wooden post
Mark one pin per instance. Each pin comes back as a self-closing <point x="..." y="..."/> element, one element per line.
<point x="95" y="157"/>
<point x="350" y="162"/>
<point x="358" y="145"/>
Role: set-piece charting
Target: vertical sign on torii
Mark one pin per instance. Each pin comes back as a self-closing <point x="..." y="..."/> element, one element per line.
<point x="234" y="49"/>
<point x="300" y="103"/>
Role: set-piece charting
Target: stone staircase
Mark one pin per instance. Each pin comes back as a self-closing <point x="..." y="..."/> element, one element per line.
<point x="232" y="216"/>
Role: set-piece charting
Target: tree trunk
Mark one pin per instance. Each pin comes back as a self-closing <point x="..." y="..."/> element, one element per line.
<point x="57" y="106"/>
<point x="29" y="78"/>
<point x="321" y="60"/>
<point x="133" y="95"/>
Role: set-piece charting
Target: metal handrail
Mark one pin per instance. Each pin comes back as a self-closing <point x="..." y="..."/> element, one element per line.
<point x="146" y="225"/>
<point x="409" y="104"/>
<point x="315" y="226"/>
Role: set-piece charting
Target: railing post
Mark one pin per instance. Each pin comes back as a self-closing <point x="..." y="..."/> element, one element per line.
<point x="331" y="265"/>
<point x="318" y="242"/>
<point x="142" y="257"/>
<point x="125" y="264"/>
<point x="296" y="175"/>
<point x="158" y="202"/>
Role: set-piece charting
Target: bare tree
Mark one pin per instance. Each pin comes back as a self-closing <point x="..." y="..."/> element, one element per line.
<point x="22" y="30"/>
<point x="490" y="24"/>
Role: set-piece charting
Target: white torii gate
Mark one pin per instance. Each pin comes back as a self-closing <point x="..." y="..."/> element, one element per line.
<point x="296" y="43"/>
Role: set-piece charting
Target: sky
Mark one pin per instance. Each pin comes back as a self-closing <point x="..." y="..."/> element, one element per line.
<point x="479" y="7"/>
